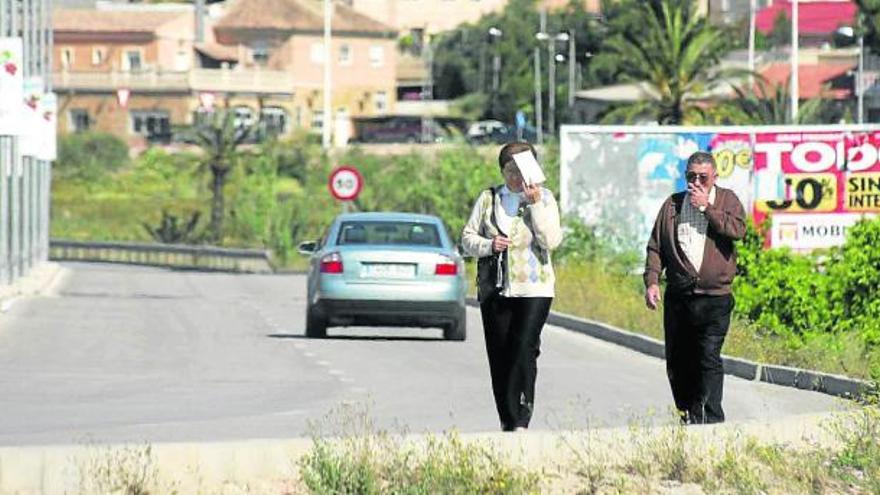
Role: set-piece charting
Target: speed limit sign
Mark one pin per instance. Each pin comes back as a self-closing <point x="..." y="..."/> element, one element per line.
<point x="346" y="183"/>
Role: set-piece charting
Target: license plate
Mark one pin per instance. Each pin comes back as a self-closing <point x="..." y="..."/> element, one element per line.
<point x="388" y="270"/>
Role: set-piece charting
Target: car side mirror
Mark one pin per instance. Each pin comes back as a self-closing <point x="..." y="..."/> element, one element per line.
<point x="307" y="247"/>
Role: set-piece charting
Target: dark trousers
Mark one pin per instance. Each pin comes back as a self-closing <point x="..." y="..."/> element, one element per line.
<point x="695" y="327"/>
<point x="512" y="326"/>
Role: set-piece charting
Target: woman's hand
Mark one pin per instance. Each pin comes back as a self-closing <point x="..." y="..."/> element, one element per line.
<point x="500" y="243"/>
<point x="532" y="193"/>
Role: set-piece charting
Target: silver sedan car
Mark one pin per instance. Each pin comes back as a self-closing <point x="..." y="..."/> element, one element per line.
<point x="385" y="269"/>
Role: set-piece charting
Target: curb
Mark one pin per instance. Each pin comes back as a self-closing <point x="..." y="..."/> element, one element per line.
<point x="815" y="381"/>
<point x="37" y="281"/>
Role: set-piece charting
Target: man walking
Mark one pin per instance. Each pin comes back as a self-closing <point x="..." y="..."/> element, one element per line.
<point x="692" y="241"/>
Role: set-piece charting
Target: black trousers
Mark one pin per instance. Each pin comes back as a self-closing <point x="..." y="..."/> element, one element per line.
<point x="695" y="327"/>
<point x="512" y="326"/>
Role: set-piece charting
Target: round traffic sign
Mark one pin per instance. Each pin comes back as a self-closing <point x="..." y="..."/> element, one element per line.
<point x="346" y="183"/>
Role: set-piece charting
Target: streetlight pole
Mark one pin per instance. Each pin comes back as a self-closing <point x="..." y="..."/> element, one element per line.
<point x="494" y="33"/>
<point x="571" y="69"/>
<point x="860" y="86"/>
<point x="794" y="61"/>
<point x="551" y="88"/>
<point x="328" y="88"/>
<point x="538" y="110"/>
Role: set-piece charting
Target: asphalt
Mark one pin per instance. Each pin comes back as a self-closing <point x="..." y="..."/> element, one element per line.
<point x="113" y="353"/>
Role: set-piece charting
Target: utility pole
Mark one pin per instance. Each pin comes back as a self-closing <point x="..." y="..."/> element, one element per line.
<point x="752" y="8"/>
<point x="328" y="88"/>
<point x="428" y="89"/>
<point x="538" y="110"/>
<point x="794" y="61"/>
<point x="551" y="87"/>
<point x="571" y="68"/>
<point x="860" y="84"/>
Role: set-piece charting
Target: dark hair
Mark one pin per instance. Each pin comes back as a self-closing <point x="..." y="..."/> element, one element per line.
<point x="508" y="150"/>
<point x="701" y="157"/>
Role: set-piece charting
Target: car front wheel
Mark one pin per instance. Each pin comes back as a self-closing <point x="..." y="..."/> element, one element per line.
<point x="316" y="327"/>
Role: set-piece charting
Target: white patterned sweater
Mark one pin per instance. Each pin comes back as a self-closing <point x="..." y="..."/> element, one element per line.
<point x="534" y="231"/>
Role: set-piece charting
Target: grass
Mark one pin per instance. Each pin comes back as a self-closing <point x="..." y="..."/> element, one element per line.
<point x="350" y="455"/>
<point x="591" y="290"/>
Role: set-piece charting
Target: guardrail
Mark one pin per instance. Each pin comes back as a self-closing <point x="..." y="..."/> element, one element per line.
<point x="165" y="255"/>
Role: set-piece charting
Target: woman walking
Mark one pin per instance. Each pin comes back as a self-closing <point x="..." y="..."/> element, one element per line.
<point x="511" y="230"/>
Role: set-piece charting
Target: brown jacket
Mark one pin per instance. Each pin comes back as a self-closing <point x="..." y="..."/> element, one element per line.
<point x="726" y="224"/>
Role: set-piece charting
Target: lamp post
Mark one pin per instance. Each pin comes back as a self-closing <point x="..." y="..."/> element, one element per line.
<point x="851" y="34"/>
<point x="551" y="75"/>
<point x="328" y="85"/>
<point x="494" y="33"/>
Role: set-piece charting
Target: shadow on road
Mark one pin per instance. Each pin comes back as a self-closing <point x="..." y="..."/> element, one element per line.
<point x="356" y="337"/>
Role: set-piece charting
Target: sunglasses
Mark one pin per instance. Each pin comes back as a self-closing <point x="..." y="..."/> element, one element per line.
<point x="692" y="176"/>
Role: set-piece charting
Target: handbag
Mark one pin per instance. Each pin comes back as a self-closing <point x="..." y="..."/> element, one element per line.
<point x="490" y="269"/>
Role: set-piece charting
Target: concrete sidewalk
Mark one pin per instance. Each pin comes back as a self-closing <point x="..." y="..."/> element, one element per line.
<point x="41" y="279"/>
<point x="270" y="465"/>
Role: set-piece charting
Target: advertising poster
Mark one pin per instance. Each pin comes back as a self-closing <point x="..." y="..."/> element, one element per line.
<point x="809" y="183"/>
<point x="49" y="122"/>
<point x="11" y="86"/>
<point x="31" y="119"/>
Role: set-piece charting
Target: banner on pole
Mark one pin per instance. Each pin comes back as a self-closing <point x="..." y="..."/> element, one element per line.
<point x="11" y="86"/>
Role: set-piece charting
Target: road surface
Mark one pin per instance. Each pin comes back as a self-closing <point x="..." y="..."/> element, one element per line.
<point x="130" y="354"/>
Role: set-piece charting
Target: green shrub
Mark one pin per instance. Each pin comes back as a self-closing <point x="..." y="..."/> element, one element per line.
<point x="854" y="271"/>
<point x="89" y="155"/>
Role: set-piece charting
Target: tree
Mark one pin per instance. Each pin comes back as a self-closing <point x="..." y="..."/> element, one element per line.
<point x="674" y="51"/>
<point x="869" y="18"/>
<point x="463" y="57"/>
<point x="219" y="134"/>
<point x="768" y="105"/>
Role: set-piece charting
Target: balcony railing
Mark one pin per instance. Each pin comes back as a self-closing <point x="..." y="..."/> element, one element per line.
<point x="212" y="80"/>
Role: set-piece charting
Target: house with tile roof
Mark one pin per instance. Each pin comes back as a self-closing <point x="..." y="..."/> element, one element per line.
<point x="136" y="72"/>
<point x="287" y="36"/>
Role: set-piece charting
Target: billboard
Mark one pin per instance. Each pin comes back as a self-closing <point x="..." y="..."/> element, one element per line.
<point x="11" y="86"/>
<point x="812" y="182"/>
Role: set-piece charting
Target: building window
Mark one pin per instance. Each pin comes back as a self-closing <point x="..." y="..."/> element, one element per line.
<point x="317" y="121"/>
<point x="380" y="99"/>
<point x="275" y="120"/>
<point x="260" y="52"/>
<point x="345" y="55"/>
<point x="67" y="57"/>
<point x="155" y="125"/>
<point x="98" y="55"/>
<point x="317" y="53"/>
<point x="377" y="56"/>
<point x="132" y="60"/>
<point x="244" y="116"/>
<point x="78" y="120"/>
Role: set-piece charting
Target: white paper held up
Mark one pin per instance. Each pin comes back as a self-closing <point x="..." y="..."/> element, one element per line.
<point x="528" y="167"/>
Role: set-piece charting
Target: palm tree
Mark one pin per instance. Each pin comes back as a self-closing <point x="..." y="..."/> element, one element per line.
<point x="219" y="135"/>
<point x="768" y="105"/>
<point x="674" y="54"/>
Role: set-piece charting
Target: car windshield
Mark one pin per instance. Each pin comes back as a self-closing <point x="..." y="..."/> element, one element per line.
<point x="408" y="233"/>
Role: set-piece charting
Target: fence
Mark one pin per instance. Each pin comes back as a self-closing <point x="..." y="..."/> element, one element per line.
<point x="25" y="178"/>
<point x="165" y="255"/>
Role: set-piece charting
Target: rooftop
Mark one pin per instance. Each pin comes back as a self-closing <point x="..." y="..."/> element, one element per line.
<point x="110" y="21"/>
<point x="296" y="15"/>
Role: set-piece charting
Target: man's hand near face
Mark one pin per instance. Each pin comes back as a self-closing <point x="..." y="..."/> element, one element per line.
<point x="698" y="194"/>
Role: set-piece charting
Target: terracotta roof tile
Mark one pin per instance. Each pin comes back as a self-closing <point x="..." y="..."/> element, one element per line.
<point x="821" y="17"/>
<point x="107" y="21"/>
<point x="296" y="15"/>
<point x="812" y="79"/>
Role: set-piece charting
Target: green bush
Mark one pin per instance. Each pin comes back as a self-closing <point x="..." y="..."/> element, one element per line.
<point x="89" y="155"/>
<point x="854" y="272"/>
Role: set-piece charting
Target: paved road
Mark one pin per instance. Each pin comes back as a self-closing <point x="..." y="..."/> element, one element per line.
<point x="119" y="353"/>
